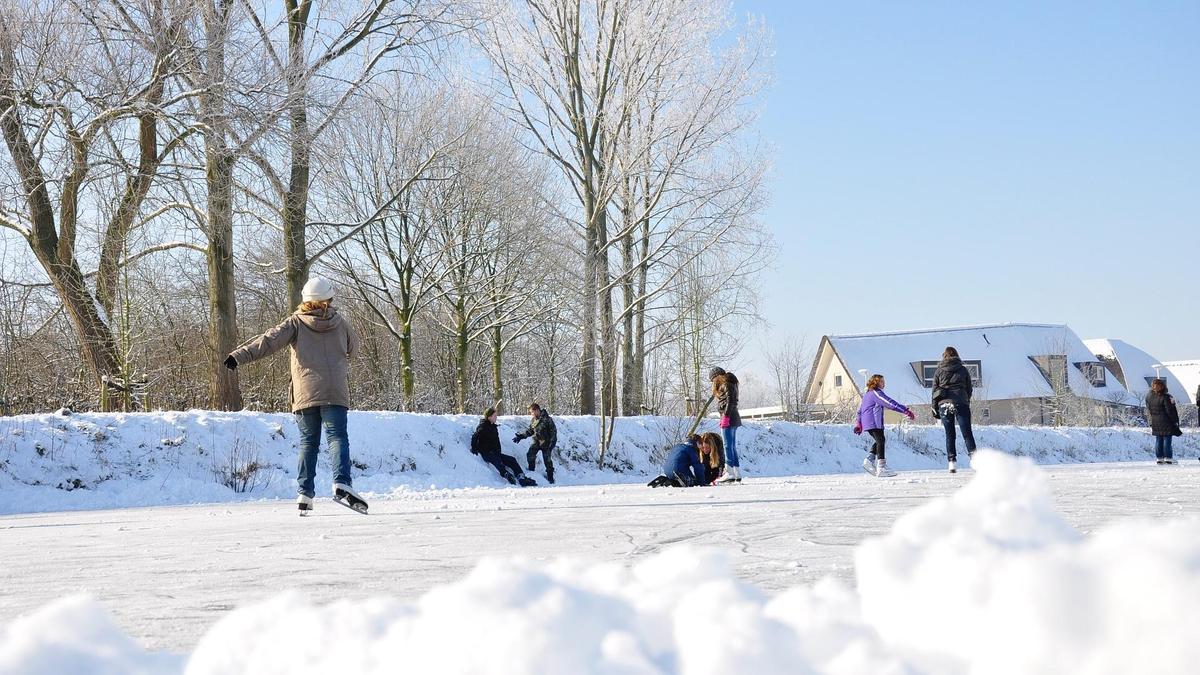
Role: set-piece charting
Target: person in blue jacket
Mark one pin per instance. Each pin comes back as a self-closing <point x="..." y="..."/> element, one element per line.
<point x="683" y="467"/>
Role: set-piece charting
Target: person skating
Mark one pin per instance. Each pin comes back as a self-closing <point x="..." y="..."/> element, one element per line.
<point x="683" y="467"/>
<point x="545" y="438"/>
<point x="952" y="402"/>
<point x="1163" y="415"/>
<point x="321" y="343"/>
<point x="870" y="420"/>
<point x="485" y="442"/>
<point x="725" y="390"/>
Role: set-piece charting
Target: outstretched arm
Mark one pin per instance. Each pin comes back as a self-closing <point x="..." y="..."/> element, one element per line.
<point x="890" y="403"/>
<point x="266" y="344"/>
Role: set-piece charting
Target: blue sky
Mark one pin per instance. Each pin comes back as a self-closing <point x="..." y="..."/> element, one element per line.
<point x="945" y="163"/>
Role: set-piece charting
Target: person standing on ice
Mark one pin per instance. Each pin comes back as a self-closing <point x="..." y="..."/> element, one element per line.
<point x="321" y="342"/>
<point x="485" y="442"/>
<point x="1164" y="420"/>
<point x="870" y="420"/>
<point x="952" y="401"/>
<point x="725" y="390"/>
<point x="545" y="439"/>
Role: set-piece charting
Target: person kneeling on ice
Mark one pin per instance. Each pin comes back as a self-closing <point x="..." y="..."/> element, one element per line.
<point x="870" y="420"/>
<point x="712" y="456"/>
<point x="485" y="442"/>
<point x="545" y="438"/>
<point x="683" y="467"/>
<point x="321" y="342"/>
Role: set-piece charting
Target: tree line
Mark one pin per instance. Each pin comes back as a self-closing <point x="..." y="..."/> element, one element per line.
<point x="517" y="199"/>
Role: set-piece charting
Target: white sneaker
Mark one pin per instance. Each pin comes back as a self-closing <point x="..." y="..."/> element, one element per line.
<point x="953" y="466"/>
<point x="869" y="464"/>
<point x="882" y="470"/>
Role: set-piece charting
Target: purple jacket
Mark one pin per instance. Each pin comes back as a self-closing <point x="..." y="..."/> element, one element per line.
<point x="870" y="411"/>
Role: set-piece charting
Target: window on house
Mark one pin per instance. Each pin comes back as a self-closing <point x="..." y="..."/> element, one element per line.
<point x="987" y="413"/>
<point x="1094" y="372"/>
<point x="924" y="371"/>
<point x="837" y="380"/>
<point x="1053" y="367"/>
<point x="1149" y="381"/>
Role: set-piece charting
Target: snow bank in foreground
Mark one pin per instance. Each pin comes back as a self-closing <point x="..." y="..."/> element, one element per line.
<point x="90" y="461"/>
<point x="989" y="580"/>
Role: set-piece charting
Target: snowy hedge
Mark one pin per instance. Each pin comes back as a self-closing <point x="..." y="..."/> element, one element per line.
<point x="83" y="461"/>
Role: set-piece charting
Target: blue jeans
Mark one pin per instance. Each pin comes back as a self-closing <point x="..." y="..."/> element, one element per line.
<point x="731" y="458"/>
<point x="1162" y="447"/>
<point x="951" y="412"/>
<point x="310" y="421"/>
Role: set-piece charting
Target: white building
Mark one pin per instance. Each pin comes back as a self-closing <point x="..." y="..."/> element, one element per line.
<point x="1188" y="374"/>
<point x="1022" y="373"/>
<point x="1135" y="368"/>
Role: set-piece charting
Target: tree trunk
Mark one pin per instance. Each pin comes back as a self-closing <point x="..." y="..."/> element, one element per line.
<point x="587" y="362"/>
<point x="462" y="353"/>
<point x="226" y="392"/>
<point x="295" y="200"/>
<point x="497" y="364"/>
<point x="406" y="365"/>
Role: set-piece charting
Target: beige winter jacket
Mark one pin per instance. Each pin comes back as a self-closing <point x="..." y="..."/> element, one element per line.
<point x="322" y="343"/>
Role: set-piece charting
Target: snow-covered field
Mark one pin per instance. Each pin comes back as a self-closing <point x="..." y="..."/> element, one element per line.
<point x="1008" y="568"/>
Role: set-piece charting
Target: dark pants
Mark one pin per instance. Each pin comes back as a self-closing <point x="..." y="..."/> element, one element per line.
<point x="951" y="412"/>
<point x="546" y="451"/>
<point x="310" y="421"/>
<point x="880" y="442"/>
<point x="1162" y="447"/>
<point x="506" y="465"/>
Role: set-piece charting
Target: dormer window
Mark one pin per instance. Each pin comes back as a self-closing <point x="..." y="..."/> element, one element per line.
<point x="1093" y="372"/>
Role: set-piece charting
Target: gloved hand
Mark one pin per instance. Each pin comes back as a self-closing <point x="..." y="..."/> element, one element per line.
<point x="936" y="415"/>
<point x="857" y="429"/>
<point x="517" y="438"/>
<point x="230" y="362"/>
<point x="910" y="414"/>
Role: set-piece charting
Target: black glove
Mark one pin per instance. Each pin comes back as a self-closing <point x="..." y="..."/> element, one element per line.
<point x="230" y="362"/>
<point x="936" y="415"/>
<point x="517" y="438"/>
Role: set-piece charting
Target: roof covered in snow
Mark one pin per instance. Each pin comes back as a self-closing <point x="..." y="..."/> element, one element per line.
<point x="1004" y="353"/>
<point x="1188" y="374"/>
<point x="1137" y="366"/>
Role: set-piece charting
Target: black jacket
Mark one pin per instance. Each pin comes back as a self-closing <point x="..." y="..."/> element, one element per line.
<point x="951" y="382"/>
<point x="1164" y="416"/>
<point x="1198" y="396"/>
<point x="545" y="434"/>
<point x="486" y="438"/>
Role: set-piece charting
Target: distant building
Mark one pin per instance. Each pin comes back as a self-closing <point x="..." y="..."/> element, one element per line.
<point x="1188" y="374"/>
<point x="1135" y="368"/>
<point x="1023" y="373"/>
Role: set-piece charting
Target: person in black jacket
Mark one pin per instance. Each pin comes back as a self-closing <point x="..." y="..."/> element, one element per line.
<point x="952" y="402"/>
<point x="545" y="439"/>
<point x="485" y="442"/>
<point x="1164" y="420"/>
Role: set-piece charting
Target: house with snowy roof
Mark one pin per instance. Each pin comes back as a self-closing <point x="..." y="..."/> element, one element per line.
<point x="1188" y="374"/>
<point x="1022" y="373"/>
<point x="1135" y="368"/>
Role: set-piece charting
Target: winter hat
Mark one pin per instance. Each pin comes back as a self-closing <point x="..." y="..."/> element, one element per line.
<point x="317" y="289"/>
<point x="716" y="372"/>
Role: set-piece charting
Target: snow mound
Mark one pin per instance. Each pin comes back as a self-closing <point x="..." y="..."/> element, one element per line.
<point x="988" y="580"/>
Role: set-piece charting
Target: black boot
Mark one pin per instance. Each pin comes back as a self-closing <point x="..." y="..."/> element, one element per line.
<point x="550" y="476"/>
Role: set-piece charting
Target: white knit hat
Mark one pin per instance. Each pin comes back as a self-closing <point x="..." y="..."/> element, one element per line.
<point x="317" y="289"/>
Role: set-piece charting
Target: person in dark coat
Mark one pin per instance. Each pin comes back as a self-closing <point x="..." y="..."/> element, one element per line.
<point x="485" y="442"/>
<point x="683" y="467"/>
<point x="712" y="455"/>
<point x="952" y="402"/>
<point x="725" y="390"/>
<point x="1164" y="420"/>
<point x="545" y="439"/>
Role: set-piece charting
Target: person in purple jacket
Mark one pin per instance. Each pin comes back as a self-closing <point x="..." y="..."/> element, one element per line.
<point x="870" y="419"/>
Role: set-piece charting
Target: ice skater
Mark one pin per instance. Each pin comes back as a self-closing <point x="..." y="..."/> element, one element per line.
<point x="725" y="390"/>
<point x="321" y="342"/>
<point x="485" y="442"/>
<point x="545" y="439"/>
<point x="712" y="455"/>
<point x="1163" y="415"/>
<point x="870" y="420"/>
<point x="952" y="402"/>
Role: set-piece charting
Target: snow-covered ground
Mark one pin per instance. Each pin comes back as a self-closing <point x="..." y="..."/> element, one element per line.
<point x="1025" y="569"/>
<point x="90" y="461"/>
<point x="811" y="566"/>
